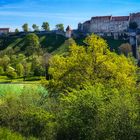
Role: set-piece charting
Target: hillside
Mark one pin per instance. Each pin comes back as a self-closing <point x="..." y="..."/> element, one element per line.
<point x="51" y="42"/>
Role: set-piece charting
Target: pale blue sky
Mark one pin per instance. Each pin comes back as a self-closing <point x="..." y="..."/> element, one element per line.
<point x="14" y="13"/>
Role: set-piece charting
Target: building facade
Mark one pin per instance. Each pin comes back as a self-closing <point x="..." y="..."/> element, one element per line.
<point x="109" y="24"/>
<point x="4" y="30"/>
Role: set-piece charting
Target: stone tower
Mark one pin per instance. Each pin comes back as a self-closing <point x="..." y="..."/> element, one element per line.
<point x="68" y="32"/>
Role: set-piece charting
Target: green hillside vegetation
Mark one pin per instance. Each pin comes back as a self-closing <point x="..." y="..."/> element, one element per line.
<point x="91" y="94"/>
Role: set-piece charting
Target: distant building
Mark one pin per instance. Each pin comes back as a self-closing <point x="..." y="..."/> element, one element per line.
<point x="68" y="32"/>
<point x="109" y="24"/>
<point x="4" y="30"/>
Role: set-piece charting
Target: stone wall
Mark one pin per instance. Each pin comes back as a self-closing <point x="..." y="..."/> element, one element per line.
<point x="109" y="24"/>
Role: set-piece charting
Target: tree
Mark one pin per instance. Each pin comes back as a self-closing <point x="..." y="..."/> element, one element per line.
<point x="45" y="26"/>
<point x="60" y="27"/>
<point x="1" y="70"/>
<point x="35" y="27"/>
<point x="10" y="72"/>
<point x="4" y="62"/>
<point x="98" y="113"/>
<point x="16" y="30"/>
<point x="88" y="65"/>
<point x="133" y="25"/>
<point x="25" y="27"/>
<point x="20" y="70"/>
<point x="125" y="49"/>
<point x="32" y="43"/>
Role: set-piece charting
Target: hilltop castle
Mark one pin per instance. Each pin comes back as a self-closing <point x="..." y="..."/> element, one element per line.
<point x="109" y="24"/>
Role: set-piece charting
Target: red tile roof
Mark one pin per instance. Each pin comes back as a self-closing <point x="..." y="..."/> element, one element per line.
<point x="102" y="17"/>
<point x="4" y="28"/>
<point x="120" y="18"/>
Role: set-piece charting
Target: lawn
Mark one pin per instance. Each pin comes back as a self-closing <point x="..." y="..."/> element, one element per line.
<point x="30" y="80"/>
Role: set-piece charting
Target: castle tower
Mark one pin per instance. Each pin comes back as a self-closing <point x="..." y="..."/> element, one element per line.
<point x="68" y="32"/>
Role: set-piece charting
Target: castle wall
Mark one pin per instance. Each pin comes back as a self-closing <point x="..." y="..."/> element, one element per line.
<point x="135" y="18"/>
<point x="109" y="24"/>
<point x="100" y="24"/>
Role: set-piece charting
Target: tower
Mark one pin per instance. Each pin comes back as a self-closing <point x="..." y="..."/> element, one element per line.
<point x="68" y="32"/>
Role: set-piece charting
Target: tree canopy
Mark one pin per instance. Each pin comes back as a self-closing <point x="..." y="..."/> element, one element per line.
<point x="91" y="64"/>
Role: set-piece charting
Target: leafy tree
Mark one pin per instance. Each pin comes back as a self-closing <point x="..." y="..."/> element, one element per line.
<point x="16" y="30"/>
<point x="98" y="113"/>
<point x="125" y="49"/>
<point x="45" y="26"/>
<point x="6" y="134"/>
<point x="4" y="62"/>
<point x="11" y="73"/>
<point x="32" y="43"/>
<point x="25" y="27"/>
<point x="60" y="27"/>
<point x="1" y="70"/>
<point x="20" y="69"/>
<point x="35" y="27"/>
<point x="91" y="64"/>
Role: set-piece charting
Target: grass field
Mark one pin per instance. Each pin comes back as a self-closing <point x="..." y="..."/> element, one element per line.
<point x="31" y="80"/>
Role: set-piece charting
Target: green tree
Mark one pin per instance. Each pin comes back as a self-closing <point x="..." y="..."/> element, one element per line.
<point x="98" y="113"/>
<point x="32" y="43"/>
<point x="35" y="27"/>
<point x="16" y="30"/>
<point x="1" y="70"/>
<point x="10" y="72"/>
<point x="45" y="26"/>
<point x="4" y="62"/>
<point x="60" y="27"/>
<point x="91" y="64"/>
<point x="20" y="70"/>
<point x="6" y="134"/>
<point x="25" y="27"/>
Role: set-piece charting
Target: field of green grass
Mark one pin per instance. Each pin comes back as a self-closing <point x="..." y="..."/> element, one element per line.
<point x="18" y="89"/>
<point x="30" y="80"/>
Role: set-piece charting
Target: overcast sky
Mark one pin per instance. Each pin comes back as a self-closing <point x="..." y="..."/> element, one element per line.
<point x="14" y="13"/>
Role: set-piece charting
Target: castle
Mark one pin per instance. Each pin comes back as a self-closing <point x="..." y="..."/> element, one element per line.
<point x="109" y="24"/>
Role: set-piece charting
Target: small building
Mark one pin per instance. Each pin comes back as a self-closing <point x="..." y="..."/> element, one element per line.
<point x="68" y="32"/>
<point x="4" y="30"/>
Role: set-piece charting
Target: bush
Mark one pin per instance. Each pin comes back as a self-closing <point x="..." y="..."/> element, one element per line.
<point x="6" y="134"/>
<point x="98" y="114"/>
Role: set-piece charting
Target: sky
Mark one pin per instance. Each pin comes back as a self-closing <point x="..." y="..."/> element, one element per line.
<point x="14" y="13"/>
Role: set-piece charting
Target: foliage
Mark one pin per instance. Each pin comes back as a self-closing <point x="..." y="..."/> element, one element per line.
<point x="25" y="27"/>
<point x="60" y="27"/>
<point x="1" y="71"/>
<point x="6" y="134"/>
<point x="35" y="27"/>
<point x="90" y="64"/>
<point x="16" y="30"/>
<point x="32" y="43"/>
<point x="10" y="72"/>
<point x="98" y="113"/>
<point x="45" y="26"/>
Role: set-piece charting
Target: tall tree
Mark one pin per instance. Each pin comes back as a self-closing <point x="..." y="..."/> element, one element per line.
<point x="46" y="26"/>
<point x="32" y="43"/>
<point x="60" y="27"/>
<point x="35" y="27"/>
<point x="93" y="63"/>
<point x="25" y="27"/>
<point x="16" y="30"/>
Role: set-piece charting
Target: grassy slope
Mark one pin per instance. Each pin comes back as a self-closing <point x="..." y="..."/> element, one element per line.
<point x="51" y="42"/>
